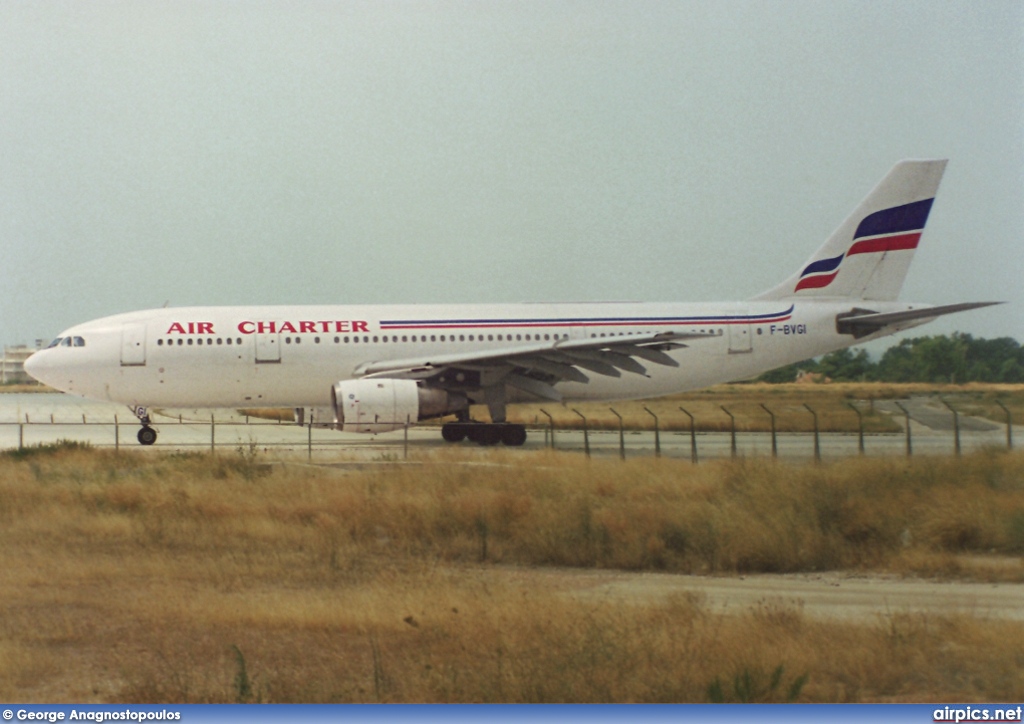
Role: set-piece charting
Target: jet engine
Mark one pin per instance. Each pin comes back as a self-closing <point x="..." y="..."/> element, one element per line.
<point x="380" y="405"/>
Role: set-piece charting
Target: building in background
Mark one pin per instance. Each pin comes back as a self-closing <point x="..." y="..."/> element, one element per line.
<point x="12" y="365"/>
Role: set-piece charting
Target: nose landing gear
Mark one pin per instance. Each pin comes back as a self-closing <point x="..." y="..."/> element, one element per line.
<point x="147" y="435"/>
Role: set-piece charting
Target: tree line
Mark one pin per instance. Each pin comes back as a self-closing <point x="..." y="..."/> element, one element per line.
<point x="943" y="358"/>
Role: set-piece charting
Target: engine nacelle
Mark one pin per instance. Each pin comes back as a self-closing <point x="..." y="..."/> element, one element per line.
<point x="322" y="417"/>
<point x="380" y="405"/>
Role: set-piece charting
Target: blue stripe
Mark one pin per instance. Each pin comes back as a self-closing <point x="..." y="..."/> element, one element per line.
<point x="909" y="217"/>
<point x="823" y="265"/>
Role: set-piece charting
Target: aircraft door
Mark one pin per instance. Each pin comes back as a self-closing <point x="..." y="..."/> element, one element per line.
<point x="133" y="345"/>
<point x="739" y="332"/>
<point x="268" y="347"/>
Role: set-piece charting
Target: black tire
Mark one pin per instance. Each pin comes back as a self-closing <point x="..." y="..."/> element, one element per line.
<point x="487" y="435"/>
<point x="453" y="432"/>
<point x="147" y="436"/>
<point x="513" y="435"/>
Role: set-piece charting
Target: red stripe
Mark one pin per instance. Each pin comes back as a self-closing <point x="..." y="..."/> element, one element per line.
<point x="538" y="325"/>
<point x="885" y="243"/>
<point x="815" y="282"/>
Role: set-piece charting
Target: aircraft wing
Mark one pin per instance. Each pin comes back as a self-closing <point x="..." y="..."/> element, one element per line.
<point x="861" y="323"/>
<point x="536" y="367"/>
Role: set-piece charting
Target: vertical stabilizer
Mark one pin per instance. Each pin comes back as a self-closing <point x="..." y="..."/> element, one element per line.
<point x="867" y="257"/>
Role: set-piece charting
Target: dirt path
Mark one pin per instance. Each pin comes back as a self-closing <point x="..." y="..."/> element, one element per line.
<point x="831" y="594"/>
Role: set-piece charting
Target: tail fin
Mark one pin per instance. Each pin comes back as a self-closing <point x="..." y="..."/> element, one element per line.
<point x="867" y="257"/>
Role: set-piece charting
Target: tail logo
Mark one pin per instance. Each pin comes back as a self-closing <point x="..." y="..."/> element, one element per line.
<point x="888" y="230"/>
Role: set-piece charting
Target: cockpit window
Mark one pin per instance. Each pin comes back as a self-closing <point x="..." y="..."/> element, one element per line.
<point x="67" y="342"/>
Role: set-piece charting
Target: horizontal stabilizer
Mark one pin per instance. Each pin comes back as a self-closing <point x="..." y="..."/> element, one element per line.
<point x="861" y="325"/>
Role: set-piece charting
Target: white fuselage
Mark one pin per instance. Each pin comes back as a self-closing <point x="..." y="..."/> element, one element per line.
<point x="291" y="356"/>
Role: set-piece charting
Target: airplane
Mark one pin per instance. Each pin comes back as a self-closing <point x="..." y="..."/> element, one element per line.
<point x="372" y="369"/>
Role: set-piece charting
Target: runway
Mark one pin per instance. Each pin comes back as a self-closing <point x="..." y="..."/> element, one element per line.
<point x="32" y="419"/>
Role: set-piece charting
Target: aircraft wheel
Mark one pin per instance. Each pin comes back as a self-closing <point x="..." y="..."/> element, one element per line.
<point x="453" y="432"/>
<point x="513" y="435"/>
<point x="486" y="434"/>
<point x="147" y="436"/>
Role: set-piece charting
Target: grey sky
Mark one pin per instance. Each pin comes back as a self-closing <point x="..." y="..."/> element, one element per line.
<point x="350" y="152"/>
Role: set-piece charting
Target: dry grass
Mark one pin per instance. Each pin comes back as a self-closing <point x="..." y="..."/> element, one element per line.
<point x="197" y="578"/>
<point x="26" y="387"/>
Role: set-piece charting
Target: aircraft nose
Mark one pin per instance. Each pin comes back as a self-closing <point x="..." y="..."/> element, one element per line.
<point x="35" y="367"/>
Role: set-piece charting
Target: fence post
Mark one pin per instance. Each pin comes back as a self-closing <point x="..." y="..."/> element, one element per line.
<point x="860" y="427"/>
<point x="586" y="439"/>
<point x="956" y="427"/>
<point x="309" y="440"/>
<point x="551" y="425"/>
<point x="213" y="436"/>
<point x="775" y="447"/>
<point x="732" y="430"/>
<point x="117" y="435"/>
<point x="657" y="435"/>
<point x="817" y="443"/>
<point x="693" y="436"/>
<point x="405" y="437"/>
<point x="1009" y="426"/>
<point x="622" y="435"/>
<point x="21" y="436"/>
<point x="906" y="422"/>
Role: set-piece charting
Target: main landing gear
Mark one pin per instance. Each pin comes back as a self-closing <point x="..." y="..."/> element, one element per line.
<point x="147" y="435"/>
<point x="485" y="433"/>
